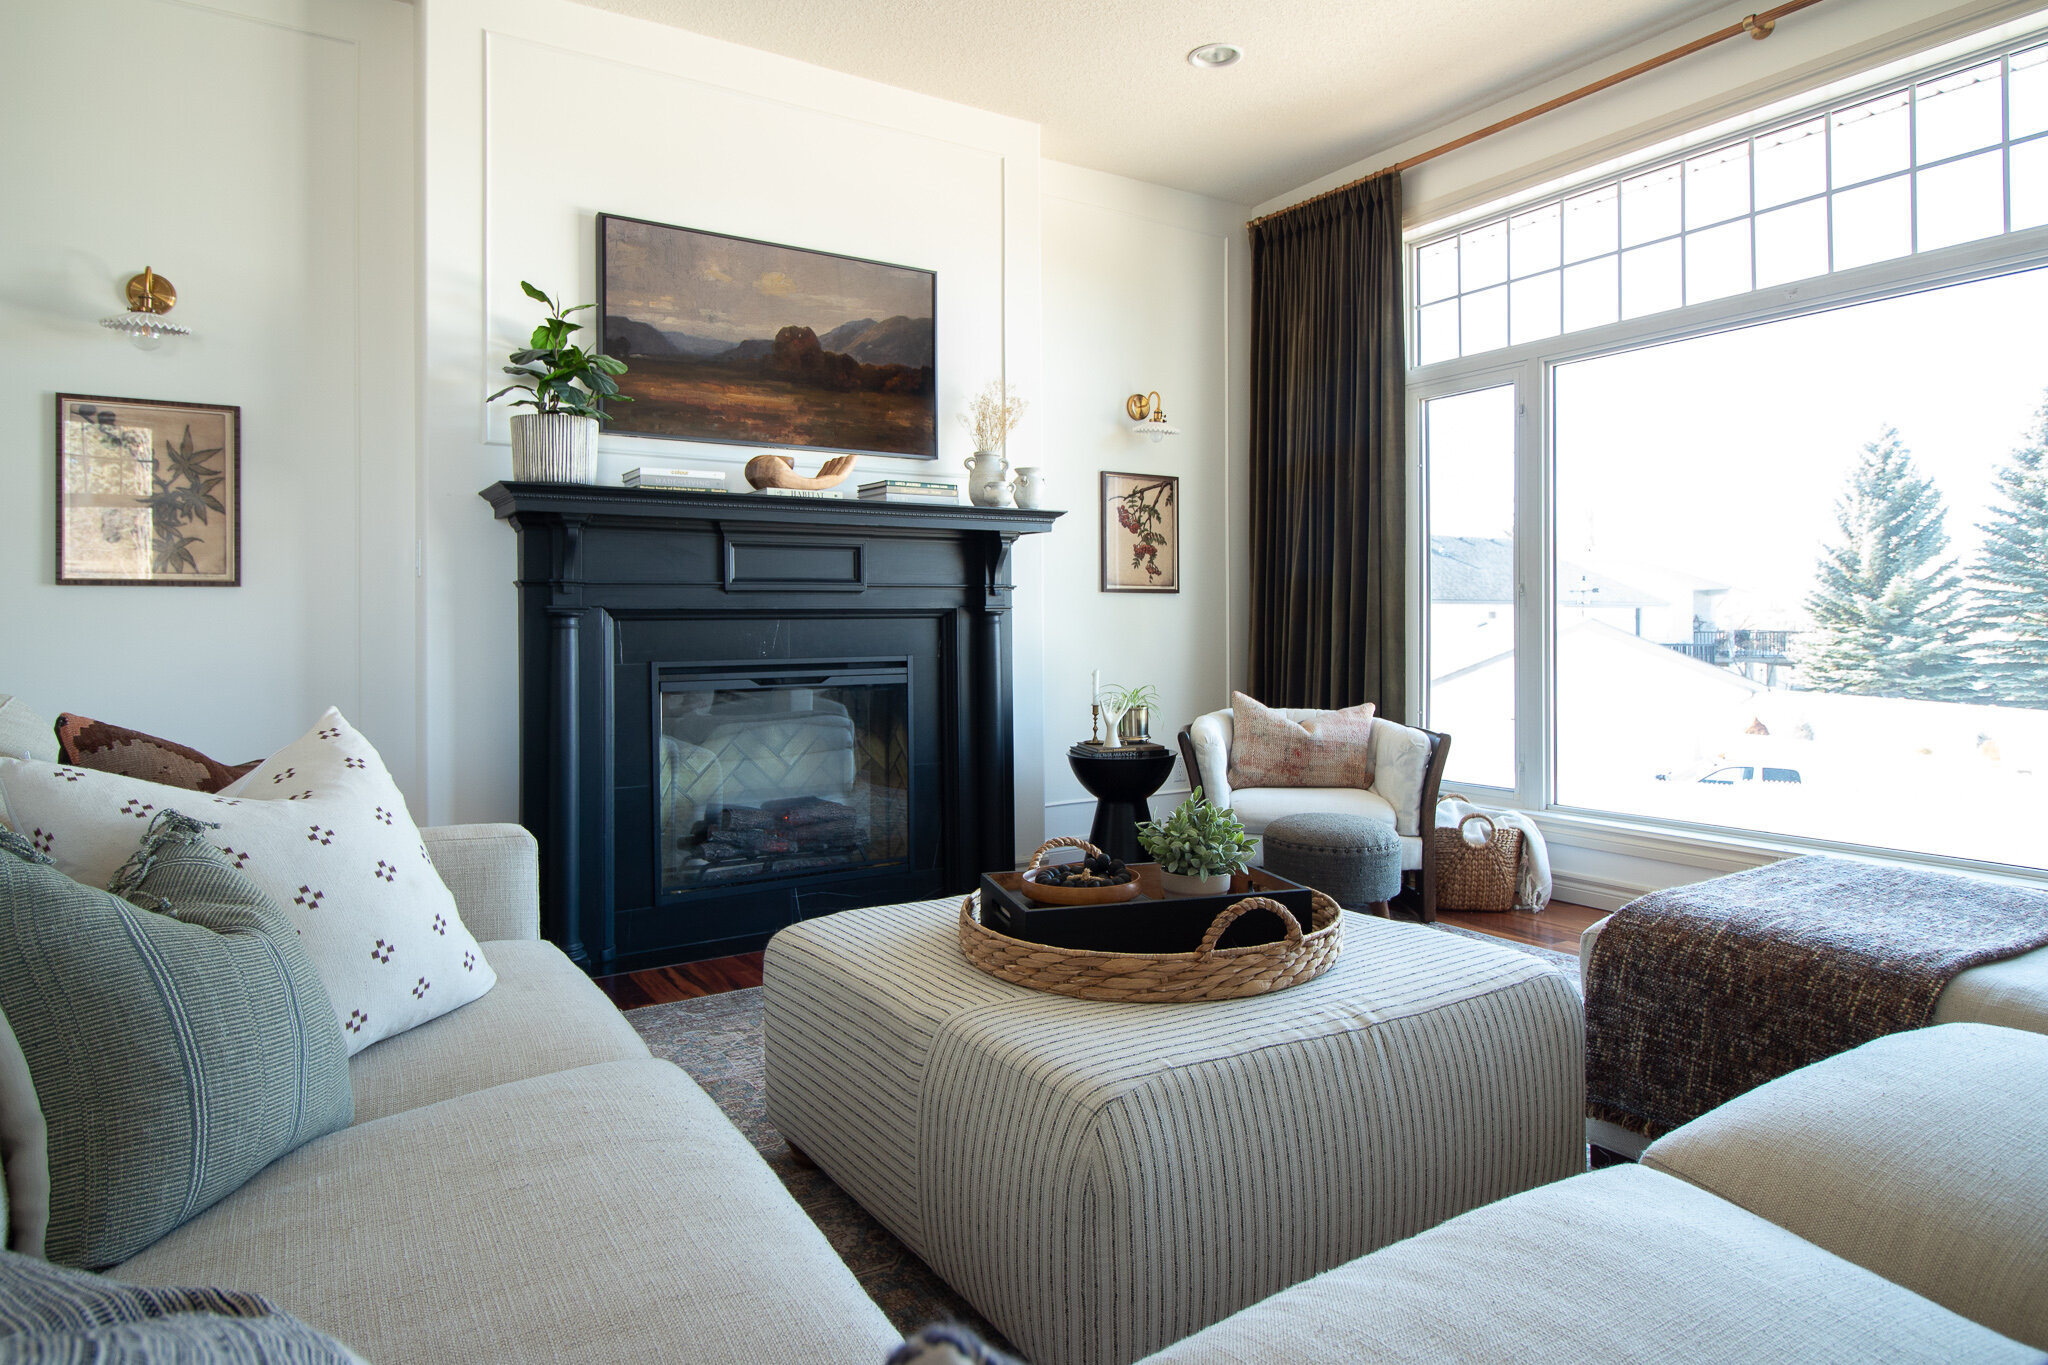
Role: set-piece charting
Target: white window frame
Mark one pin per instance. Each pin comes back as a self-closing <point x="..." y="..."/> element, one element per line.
<point x="1530" y="366"/>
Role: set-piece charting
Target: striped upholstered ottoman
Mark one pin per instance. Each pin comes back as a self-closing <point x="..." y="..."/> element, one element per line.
<point x="1103" y="1179"/>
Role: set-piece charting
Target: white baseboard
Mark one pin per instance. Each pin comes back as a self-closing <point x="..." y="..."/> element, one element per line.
<point x="1601" y="893"/>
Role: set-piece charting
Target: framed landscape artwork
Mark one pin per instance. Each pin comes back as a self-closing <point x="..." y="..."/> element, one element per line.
<point x="733" y="340"/>
<point x="148" y="492"/>
<point x="1140" y="532"/>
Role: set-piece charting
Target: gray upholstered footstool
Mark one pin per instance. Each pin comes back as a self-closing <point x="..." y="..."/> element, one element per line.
<point x="1354" y="861"/>
<point x="1102" y="1179"/>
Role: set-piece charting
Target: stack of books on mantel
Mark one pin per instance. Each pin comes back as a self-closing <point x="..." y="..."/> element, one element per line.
<point x="910" y="490"/>
<point x="690" y="480"/>
<point x="802" y="492"/>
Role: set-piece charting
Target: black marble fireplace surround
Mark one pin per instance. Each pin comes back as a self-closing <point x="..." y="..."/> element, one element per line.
<point x="682" y="653"/>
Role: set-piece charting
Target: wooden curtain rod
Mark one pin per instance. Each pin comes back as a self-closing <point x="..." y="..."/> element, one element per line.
<point x="1757" y="26"/>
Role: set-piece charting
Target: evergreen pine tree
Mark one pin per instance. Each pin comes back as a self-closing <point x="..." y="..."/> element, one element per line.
<point x="1887" y="611"/>
<point x="2012" y="577"/>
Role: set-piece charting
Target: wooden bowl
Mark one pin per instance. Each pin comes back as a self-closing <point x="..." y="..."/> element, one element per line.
<point x="1079" y="895"/>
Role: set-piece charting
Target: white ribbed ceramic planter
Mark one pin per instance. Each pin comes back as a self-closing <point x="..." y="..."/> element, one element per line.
<point x="1175" y="884"/>
<point x="554" y="447"/>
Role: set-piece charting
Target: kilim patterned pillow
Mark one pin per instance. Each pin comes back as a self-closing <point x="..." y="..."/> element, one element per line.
<point x="105" y="748"/>
<point x="178" y="1044"/>
<point x="1332" y="749"/>
<point x="320" y="826"/>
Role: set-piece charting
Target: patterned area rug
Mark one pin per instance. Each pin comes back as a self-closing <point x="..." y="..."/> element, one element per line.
<point x="717" y="1039"/>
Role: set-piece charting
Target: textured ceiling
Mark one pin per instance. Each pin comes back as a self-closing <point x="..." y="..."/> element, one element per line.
<point x="1323" y="82"/>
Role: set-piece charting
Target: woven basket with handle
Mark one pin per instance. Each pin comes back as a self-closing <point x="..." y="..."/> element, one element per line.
<point x="1482" y="878"/>
<point x="1208" y="973"/>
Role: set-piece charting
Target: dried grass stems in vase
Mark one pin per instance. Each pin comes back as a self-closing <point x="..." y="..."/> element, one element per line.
<point x="992" y="415"/>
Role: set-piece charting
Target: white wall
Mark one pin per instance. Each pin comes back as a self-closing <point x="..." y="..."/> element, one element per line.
<point x="259" y="154"/>
<point x="1145" y="288"/>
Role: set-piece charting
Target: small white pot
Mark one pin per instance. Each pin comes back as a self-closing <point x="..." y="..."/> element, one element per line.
<point x="1029" y="486"/>
<point x="988" y="479"/>
<point x="554" y="447"/>
<point x="1176" y="885"/>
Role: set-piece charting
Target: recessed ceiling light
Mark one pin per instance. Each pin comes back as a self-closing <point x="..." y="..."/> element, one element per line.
<point x="1215" y="54"/>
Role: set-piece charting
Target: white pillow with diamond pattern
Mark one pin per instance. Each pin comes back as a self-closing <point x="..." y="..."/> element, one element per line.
<point x="321" y="827"/>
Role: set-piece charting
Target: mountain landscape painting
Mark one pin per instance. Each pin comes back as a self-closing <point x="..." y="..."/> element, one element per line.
<point x="728" y="339"/>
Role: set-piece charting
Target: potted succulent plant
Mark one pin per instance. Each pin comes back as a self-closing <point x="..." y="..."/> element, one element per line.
<point x="557" y="441"/>
<point x="1197" y="847"/>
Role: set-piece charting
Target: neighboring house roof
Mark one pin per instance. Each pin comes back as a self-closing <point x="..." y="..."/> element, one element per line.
<point x="1652" y="656"/>
<point x="1482" y="569"/>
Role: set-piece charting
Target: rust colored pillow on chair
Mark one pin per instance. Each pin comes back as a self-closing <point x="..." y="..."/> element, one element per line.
<point x="1329" y="749"/>
<point x="104" y="748"/>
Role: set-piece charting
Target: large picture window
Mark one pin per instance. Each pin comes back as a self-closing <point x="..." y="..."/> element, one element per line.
<point x="1782" y="570"/>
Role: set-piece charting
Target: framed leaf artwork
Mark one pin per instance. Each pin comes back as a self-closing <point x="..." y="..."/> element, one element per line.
<point x="148" y="493"/>
<point x="1140" y="532"/>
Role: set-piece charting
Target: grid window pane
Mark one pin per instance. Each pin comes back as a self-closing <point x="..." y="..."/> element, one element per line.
<point x="1792" y="164"/>
<point x="1649" y="206"/>
<point x="1532" y="308"/>
<point x="1873" y="223"/>
<point x="1872" y="139"/>
<point x="1483" y="257"/>
<point x="1533" y="241"/>
<point x="1592" y="293"/>
<point x="1717" y="262"/>
<point x="1484" y="317"/>
<point x="1592" y="224"/>
<point x="2027" y="93"/>
<point x="1957" y="114"/>
<point x="1436" y="271"/>
<point x="1717" y="186"/>
<point x="1436" y="332"/>
<point x="1962" y="201"/>
<point x="1651" y="279"/>
<point x="1792" y="243"/>
<point x="2030" y="184"/>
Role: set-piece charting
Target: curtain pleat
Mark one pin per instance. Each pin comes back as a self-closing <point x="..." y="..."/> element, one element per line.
<point x="1329" y="454"/>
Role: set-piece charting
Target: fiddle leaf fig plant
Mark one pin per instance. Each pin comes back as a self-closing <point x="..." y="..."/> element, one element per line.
<point x="551" y="368"/>
<point x="1198" y="839"/>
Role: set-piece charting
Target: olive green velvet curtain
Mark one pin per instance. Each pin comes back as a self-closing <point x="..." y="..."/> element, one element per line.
<point x="1328" y="454"/>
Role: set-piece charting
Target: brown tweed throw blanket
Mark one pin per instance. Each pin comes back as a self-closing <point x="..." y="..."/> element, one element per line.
<point x="1701" y="992"/>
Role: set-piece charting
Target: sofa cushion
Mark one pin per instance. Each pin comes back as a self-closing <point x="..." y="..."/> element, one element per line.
<point x="544" y="1015"/>
<point x="1918" y="1155"/>
<point x="104" y="748"/>
<point x="24" y="734"/>
<point x="610" y="1213"/>
<point x="175" y="1050"/>
<point x="24" y="1152"/>
<point x="322" y="828"/>
<point x="1624" y="1264"/>
<point x="53" y="1316"/>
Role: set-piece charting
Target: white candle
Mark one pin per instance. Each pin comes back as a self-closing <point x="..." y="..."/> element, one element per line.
<point x="1094" y="686"/>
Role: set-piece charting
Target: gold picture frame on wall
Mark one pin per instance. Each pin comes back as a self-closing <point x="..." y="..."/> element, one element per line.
<point x="149" y="493"/>
<point x="1140" y="532"/>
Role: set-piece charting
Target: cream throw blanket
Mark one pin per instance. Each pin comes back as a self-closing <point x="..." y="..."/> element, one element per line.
<point x="1532" y="877"/>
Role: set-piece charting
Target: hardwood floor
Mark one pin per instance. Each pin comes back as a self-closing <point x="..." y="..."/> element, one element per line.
<point x="1558" y="927"/>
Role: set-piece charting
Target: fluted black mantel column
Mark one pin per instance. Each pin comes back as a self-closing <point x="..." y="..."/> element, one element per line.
<point x="615" y="585"/>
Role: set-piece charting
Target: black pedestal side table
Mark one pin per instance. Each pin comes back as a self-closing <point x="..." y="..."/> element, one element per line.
<point x="1120" y="780"/>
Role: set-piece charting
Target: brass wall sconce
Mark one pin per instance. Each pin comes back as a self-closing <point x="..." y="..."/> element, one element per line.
<point x="1148" y="416"/>
<point x="150" y="296"/>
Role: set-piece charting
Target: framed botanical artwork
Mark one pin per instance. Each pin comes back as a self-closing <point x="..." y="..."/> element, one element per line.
<point x="1140" y="532"/>
<point x="148" y="492"/>
<point x="732" y="340"/>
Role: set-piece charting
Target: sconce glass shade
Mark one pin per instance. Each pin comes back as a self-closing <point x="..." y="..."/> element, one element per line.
<point x="146" y="330"/>
<point x="1158" y="428"/>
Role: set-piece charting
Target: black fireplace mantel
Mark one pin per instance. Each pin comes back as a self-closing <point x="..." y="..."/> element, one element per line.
<point x="616" y="584"/>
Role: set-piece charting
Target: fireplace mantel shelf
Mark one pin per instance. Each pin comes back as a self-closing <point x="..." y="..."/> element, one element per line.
<point x="667" y="504"/>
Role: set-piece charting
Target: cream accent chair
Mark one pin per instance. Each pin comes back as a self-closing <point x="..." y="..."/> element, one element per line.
<point x="1408" y="767"/>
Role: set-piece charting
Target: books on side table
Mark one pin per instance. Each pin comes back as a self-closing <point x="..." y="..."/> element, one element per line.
<point x="910" y="490"/>
<point x="691" y="480"/>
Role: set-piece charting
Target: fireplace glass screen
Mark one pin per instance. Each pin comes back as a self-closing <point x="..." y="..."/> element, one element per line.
<point x="783" y="774"/>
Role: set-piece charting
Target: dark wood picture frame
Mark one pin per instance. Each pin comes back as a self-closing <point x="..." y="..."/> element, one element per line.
<point x="1141" y="525"/>
<point x="873" y="397"/>
<point x="141" y="503"/>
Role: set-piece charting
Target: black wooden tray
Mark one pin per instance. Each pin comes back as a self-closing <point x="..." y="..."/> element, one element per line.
<point x="1154" y="921"/>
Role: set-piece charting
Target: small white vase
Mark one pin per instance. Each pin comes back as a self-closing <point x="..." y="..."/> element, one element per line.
<point x="554" y="447"/>
<point x="1176" y="885"/>
<point x="988" y="479"/>
<point x="1029" y="486"/>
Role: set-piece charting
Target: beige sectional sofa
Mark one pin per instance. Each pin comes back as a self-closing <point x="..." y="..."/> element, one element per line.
<point x="525" y="1182"/>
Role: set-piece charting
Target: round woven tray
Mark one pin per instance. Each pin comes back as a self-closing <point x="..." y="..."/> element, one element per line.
<point x="1208" y="973"/>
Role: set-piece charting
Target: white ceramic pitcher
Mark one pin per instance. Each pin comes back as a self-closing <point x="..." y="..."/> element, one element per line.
<point x="988" y="479"/>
